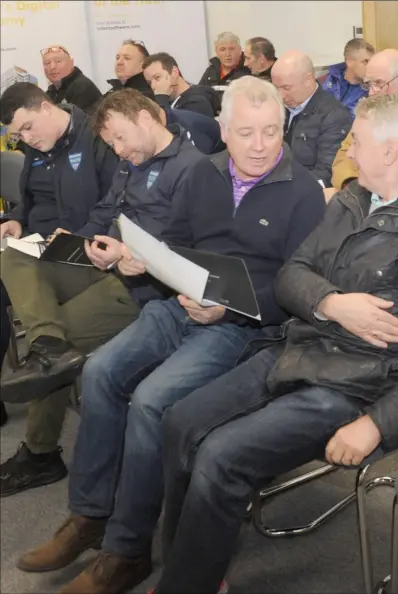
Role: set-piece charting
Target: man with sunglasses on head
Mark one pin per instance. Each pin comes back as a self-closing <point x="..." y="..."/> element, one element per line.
<point x="381" y="78"/>
<point x="68" y="84"/>
<point x="128" y="68"/>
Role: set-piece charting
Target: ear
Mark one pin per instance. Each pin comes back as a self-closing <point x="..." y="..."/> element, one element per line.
<point x="224" y="132"/>
<point x="47" y="107"/>
<point x="144" y="118"/>
<point x="175" y="72"/>
<point x="391" y="152"/>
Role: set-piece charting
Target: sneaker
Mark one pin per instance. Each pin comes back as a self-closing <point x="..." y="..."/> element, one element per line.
<point x="110" y="574"/>
<point x="223" y="589"/>
<point x="25" y="470"/>
<point x="76" y="535"/>
<point x="44" y="370"/>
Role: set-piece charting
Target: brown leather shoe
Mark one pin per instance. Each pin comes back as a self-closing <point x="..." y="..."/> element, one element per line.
<point x="110" y="574"/>
<point x="76" y="535"/>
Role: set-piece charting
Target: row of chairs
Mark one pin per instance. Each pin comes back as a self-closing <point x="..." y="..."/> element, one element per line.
<point x="11" y="167"/>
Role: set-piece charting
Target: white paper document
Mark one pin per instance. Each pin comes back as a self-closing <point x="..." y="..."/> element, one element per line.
<point x="31" y="244"/>
<point x="178" y="273"/>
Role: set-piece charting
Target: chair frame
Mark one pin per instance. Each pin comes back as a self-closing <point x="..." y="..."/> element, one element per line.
<point x="362" y="487"/>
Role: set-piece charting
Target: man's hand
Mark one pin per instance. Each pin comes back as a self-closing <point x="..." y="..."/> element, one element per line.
<point x="103" y="258"/>
<point x="162" y="85"/>
<point x="363" y="315"/>
<point x="202" y="315"/>
<point x="10" y="229"/>
<point x="352" y="443"/>
<point x="57" y="231"/>
<point x="128" y="265"/>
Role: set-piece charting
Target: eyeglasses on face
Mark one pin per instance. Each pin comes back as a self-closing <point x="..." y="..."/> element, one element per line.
<point x="366" y="86"/>
<point x="54" y="48"/>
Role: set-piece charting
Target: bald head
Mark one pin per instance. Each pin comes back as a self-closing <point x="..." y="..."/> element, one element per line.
<point x="382" y="72"/>
<point x="293" y="75"/>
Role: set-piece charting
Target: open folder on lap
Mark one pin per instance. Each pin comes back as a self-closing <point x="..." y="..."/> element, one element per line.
<point x="207" y="278"/>
<point x="65" y="248"/>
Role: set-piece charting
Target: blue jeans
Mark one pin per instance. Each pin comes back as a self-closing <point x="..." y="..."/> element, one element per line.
<point x="220" y="444"/>
<point x="126" y="387"/>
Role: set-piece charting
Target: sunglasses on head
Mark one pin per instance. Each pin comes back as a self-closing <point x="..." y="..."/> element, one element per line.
<point x="54" y="48"/>
<point x="135" y="42"/>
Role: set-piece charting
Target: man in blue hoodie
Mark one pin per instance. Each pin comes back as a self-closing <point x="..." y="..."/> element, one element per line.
<point x="344" y="80"/>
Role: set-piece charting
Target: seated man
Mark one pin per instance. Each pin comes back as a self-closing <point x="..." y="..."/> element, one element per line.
<point x="381" y="78"/>
<point x="162" y="72"/>
<point x="253" y="202"/>
<point x="260" y="57"/>
<point x="4" y="340"/>
<point x="316" y="122"/>
<point x="344" y="80"/>
<point x="61" y="304"/>
<point x="128" y="68"/>
<point x="228" y="64"/>
<point x="332" y="391"/>
<point x="68" y="84"/>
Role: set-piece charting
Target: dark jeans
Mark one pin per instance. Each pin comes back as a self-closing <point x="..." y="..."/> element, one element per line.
<point x="220" y="444"/>
<point x="126" y="387"/>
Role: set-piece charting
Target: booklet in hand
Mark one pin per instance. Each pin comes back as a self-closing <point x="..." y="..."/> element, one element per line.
<point x="65" y="248"/>
<point x="207" y="278"/>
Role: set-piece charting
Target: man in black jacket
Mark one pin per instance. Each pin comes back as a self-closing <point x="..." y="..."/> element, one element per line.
<point x="227" y="65"/>
<point x="260" y="57"/>
<point x="161" y="71"/>
<point x="332" y="391"/>
<point x="253" y="202"/>
<point x="316" y="122"/>
<point x="61" y="304"/>
<point x="68" y="84"/>
<point x="128" y="68"/>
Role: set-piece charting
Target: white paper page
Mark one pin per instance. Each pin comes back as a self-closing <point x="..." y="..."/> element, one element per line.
<point x="178" y="273"/>
<point x="34" y="238"/>
<point x="27" y="247"/>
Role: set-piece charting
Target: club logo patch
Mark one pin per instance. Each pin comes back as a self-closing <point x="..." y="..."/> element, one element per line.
<point x="75" y="160"/>
<point x="152" y="177"/>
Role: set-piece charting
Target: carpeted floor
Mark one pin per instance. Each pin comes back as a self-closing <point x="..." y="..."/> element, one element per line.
<point x="326" y="561"/>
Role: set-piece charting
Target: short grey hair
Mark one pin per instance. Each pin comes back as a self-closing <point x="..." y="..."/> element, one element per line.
<point x="227" y="37"/>
<point x="354" y="45"/>
<point x="382" y="112"/>
<point x="255" y="89"/>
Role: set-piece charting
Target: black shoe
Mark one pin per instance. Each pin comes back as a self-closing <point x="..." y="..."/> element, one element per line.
<point x="44" y="370"/>
<point x="25" y="470"/>
<point x="3" y="414"/>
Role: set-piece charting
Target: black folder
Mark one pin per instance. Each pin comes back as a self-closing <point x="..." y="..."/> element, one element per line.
<point x="229" y="283"/>
<point x="65" y="248"/>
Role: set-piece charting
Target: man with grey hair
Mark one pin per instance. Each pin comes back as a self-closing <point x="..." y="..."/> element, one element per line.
<point x="344" y="79"/>
<point x="381" y="78"/>
<point x="227" y="65"/>
<point x="260" y="57"/>
<point x="252" y="202"/>
<point x="316" y="123"/>
<point x="333" y="390"/>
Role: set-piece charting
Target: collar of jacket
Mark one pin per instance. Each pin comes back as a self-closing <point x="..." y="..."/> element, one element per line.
<point x="282" y="172"/>
<point x="266" y="73"/>
<point x="355" y="198"/>
<point x="337" y="71"/>
<point x="116" y="84"/>
<point x="314" y="102"/>
<point x="67" y="80"/>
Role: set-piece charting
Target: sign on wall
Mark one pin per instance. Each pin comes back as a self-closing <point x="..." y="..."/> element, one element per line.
<point x="92" y="32"/>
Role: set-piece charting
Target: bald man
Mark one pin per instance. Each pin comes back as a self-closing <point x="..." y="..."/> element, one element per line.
<point x="316" y="123"/>
<point x="381" y="78"/>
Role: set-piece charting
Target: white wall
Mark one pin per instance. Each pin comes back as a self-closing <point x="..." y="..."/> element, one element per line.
<point x="319" y="28"/>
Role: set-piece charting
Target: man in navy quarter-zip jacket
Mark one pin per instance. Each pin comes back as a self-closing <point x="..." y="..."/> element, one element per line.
<point x="62" y="307"/>
<point x="252" y="202"/>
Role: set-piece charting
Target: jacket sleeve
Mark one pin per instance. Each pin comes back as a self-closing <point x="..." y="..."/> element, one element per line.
<point x="384" y="414"/>
<point x="106" y="163"/>
<point x="344" y="169"/>
<point x="199" y="104"/>
<point x="335" y="127"/>
<point x="301" y="286"/>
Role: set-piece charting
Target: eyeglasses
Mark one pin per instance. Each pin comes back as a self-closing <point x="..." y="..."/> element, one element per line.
<point x="134" y="42"/>
<point x="54" y="48"/>
<point x="366" y="86"/>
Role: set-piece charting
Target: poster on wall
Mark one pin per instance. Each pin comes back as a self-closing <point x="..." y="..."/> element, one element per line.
<point x="29" y="27"/>
<point x="92" y="31"/>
